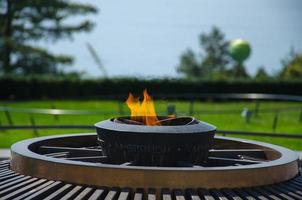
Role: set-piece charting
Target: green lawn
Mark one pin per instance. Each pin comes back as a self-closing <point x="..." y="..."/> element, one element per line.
<point x="227" y="118"/>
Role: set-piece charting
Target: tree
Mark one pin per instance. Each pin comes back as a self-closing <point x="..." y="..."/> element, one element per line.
<point x="238" y="71"/>
<point x="189" y="65"/>
<point x="261" y="74"/>
<point x="212" y="63"/>
<point x="292" y="66"/>
<point x="216" y="49"/>
<point x="23" y="23"/>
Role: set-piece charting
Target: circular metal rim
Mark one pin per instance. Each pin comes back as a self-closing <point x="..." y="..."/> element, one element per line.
<point x="191" y="120"/>
<point x="27" y="162"/>
<point x="21" y="148"/>
<point x="200" y="127"/>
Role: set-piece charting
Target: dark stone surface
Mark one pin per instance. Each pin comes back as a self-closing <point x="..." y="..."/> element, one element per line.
<point x="156" y="145"/>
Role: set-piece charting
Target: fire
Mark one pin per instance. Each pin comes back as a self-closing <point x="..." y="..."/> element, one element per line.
<point x="143" y="111"/>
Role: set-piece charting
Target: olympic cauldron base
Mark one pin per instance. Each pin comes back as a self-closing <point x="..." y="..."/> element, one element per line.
<point x="75" y="167"/>
<point x="176" y="142"/>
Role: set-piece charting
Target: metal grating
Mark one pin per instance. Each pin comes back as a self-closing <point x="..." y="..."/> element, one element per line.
<point x="16" y="186"/>
<point x="94" y="154"/>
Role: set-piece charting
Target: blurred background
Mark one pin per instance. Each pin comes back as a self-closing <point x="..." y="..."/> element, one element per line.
<point x="147" y="38"/>
<point x="66" y="64"/>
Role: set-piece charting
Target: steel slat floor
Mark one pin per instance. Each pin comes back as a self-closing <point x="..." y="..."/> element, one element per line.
<point x="16" y="186"/>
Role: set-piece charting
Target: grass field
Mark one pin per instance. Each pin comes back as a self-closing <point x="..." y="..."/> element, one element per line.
<point x="225" y="115"/>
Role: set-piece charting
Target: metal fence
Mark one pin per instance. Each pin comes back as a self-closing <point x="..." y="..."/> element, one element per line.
<point x="256" y="98"/>
<point x="89" y="127"/>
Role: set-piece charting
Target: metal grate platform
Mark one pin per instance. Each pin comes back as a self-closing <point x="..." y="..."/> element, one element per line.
<point x="16" y="186"/>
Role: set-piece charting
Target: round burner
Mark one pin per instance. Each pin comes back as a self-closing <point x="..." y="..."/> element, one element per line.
<point x="177" y="142"/>
<point x="162" y="121"/>
<point x="78" y="159"/>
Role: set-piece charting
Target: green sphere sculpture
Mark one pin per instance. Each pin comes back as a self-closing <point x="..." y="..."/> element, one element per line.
<point x="239" y="50"/>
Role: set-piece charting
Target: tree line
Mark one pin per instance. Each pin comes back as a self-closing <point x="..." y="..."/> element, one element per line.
<point x="23" y="24"/>
<point x="214" y="62"/>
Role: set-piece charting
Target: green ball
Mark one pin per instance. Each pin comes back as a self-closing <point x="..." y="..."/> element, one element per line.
<point x="239" y="50"/>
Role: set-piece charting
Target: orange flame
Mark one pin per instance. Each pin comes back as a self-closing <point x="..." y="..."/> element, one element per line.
<point x="143" y="112"/>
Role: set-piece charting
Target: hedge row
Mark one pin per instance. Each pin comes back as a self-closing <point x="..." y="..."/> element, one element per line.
<point x="11" y="88"/>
